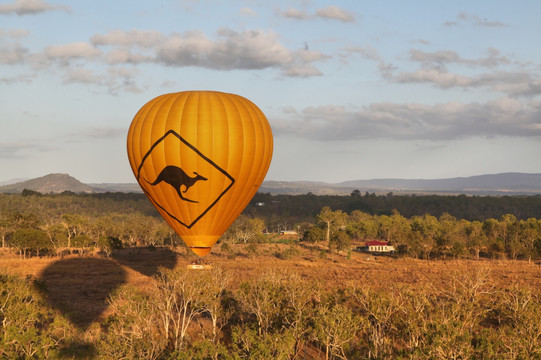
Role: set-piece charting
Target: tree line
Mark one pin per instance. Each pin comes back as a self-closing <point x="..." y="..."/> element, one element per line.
<point x="429" y="237"/>
<point x="285" y="210"/>
<point x="35" y="224"/>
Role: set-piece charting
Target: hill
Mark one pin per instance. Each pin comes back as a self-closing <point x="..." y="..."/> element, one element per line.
<point x="52" y="183"/>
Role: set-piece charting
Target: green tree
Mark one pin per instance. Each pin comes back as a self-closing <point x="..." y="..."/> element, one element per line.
<point x="108" y="243"/>
<point x="245" y="229"/>
<point x="214" y="294"/>
<point x="80" y="242"/>
<point x="264" y="299"/>
<point x="177" y="295"/>
<point x="314" y="234"/>
<point x="475" y="237"/>
<point x="340" y="240"/>
<point x="426" y="228"/>
<point x="510" y="234"/>
<point x="30" y="239"/>
<point x="446" y="236"/>
<point x="331" y="220"/>
<point x="380" y="308"/>
<point x="74" y="225"/>
<point x="29" y="328"/>
<point x="57" y="234"/>
<point x="6" y="227"/>
<point x="133" y="329"/>
<point x="400" y="230"/>
<point x="491" y="228"/>
<point x="530" y="232"/>
<point x="299" y="308"/>
<point x="335" y="325"/>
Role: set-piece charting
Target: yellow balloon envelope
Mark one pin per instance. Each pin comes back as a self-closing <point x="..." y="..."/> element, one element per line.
<point x="200" y="157"/>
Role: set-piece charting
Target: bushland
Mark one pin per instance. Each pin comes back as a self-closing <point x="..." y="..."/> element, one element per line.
<point x="187" y="314"/>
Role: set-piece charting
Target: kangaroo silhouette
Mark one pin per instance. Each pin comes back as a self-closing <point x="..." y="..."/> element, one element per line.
<point x="176" y="177"/>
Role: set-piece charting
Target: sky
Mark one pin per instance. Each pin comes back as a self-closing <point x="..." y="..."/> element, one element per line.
<point x="352" y="89"/>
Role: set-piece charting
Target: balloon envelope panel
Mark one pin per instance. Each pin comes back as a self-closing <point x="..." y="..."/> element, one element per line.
<point x="200" y="156"/>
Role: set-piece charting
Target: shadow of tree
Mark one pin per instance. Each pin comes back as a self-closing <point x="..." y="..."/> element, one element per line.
<point x="79" y="287"/>
<point x="145" y="260"/>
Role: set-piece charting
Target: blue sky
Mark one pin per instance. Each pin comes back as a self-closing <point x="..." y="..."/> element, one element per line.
<point x="352" y="89"/>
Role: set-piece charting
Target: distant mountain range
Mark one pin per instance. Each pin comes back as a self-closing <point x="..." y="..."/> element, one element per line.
<point x="496" y="184"/>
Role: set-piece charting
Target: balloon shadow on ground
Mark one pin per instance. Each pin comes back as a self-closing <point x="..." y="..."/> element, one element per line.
<point x="79" y="287"/>
<point x="146" y="260"/>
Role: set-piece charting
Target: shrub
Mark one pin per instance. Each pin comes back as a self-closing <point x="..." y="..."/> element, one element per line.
<point x="108" y="243"/>
<point x="133" y="331"/>
<point x="288" y="253"/>
<point x="81" y="242"/>
<point x="29" y="329"/>
<point x="341" y="240"/>
<point x="314" y="234"/>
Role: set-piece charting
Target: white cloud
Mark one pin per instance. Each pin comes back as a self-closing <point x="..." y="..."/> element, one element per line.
<point x="126" y="44"/>
<point x="255" y="49"/>
<point x="452" y="120"/>
<point x="476" y="20"/>
<point x="13" y="53"/>
<point x="100" y="132"/>
<point x="140" y="38"/>
<point x="367" y="52"/>
<point x="302" y="71"/>
<point x="335" y="13"/>
<point x="115" y="79"/>
<point x="370" y="53"/>
<point x="434" y="76"/>
<point x="308" y="56"/>
<point x="22" y="148"/>
<point x="14" y="33"/>
<point x="71" y="51"/>
<point x="83" y="76"/>
<point x="443" y="57"/>
<point x="124" y="56"/>
<point x="516" y="80"/>
<point x="467" y="18"/>
<point x="511" y="83"/>
<point x="29" y="7"/>
<point x="21" y="78"/>
<point x="329" y="13"/>
<point x="293" y="13"/>
<point x="230" y="49"/>
<point x="246" y="11"/>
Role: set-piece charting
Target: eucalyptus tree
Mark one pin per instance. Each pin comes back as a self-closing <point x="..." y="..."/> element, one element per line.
<point x="331" y="221"/>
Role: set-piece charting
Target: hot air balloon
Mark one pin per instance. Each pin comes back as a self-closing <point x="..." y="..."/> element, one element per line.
<point x="200" y="157"/>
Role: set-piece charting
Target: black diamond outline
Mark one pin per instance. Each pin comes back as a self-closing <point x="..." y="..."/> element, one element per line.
<point x="172" y="132"/>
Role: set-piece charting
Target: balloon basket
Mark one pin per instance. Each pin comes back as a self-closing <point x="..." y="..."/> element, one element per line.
<point x="199" y="264"/>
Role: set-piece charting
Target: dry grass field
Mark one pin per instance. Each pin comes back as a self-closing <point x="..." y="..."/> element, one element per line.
<point x="80" y="285"/>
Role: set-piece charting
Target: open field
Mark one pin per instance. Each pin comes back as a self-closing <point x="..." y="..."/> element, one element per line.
<point x="79" y="286"/>
<point x="141" y="263"/>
